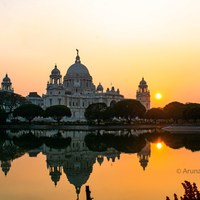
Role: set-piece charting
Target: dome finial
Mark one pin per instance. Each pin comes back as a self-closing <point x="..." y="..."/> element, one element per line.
<point x="77" y="52"/>
<point x="77" y="57"/>
<point x="78" y="189"/>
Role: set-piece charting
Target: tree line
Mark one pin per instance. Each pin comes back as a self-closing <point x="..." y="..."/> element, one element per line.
<point x="125" y="110"/>
<point x="131" y="109"/>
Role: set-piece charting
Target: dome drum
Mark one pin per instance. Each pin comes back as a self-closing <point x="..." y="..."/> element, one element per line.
<point x="78" y="79"/>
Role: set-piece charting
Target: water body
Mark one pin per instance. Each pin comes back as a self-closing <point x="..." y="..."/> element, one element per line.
<point x="117" y="165"/>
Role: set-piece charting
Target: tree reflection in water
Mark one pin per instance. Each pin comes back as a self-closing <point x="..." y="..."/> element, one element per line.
<point x="75" y="152"/>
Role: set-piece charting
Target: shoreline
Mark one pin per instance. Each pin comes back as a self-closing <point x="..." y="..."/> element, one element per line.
<point x="84" y="127"/>
<point x="182" y="128"/>
<point x="80" y="127"/>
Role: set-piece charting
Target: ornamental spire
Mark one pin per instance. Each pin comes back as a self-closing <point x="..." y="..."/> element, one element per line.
<point x="77" y="57"/>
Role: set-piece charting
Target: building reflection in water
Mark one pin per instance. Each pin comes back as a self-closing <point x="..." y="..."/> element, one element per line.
<point x="5" y="166"/>
<point x="8" y="152"/>
<point x="75" y="161"/>
<point x="144" y="155"/>
<point x="5" y="160"/>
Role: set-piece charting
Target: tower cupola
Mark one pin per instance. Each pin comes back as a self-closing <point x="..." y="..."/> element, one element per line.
<point x="55" y="77"/>
<point x="6" y="84"/>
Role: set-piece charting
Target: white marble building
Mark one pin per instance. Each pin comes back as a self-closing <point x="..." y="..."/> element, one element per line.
<point x="77" y="90"/>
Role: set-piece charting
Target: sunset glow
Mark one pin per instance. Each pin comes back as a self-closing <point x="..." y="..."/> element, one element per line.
<point x="119" y="41"/>
<point x="159" y="145"/>
<point x="158" y="96"/>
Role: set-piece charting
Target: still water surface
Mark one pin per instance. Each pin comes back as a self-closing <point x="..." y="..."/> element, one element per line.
<point x="116" y="165"/>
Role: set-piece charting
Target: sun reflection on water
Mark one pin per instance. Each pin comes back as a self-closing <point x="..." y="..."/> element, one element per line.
<point x="159" y="145"/>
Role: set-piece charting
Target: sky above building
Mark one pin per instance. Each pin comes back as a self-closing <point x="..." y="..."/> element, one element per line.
<point x="120" y="41"/>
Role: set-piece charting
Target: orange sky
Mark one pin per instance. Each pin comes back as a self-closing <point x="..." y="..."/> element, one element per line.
<point x="119" y="41"/>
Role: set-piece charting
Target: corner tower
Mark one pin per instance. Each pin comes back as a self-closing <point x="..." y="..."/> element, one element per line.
<point x="143" y="94"/>
<point x="55" y="90"/>
<point x="6" y="84"/>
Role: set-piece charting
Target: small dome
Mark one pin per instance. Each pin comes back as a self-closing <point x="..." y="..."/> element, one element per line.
<point x="5" y="165"/>
<point x="99" y="87"/>
<point x="143" y="82"/>
<point x="100" y="160"/>
<point x="55" y="71"/>
<point x="55" y="176"/>
<point x="6" y="78"/>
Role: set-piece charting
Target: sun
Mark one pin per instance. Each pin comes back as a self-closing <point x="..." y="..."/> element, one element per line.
<point x="159" y="145"/>
<point x="158" y="96"/>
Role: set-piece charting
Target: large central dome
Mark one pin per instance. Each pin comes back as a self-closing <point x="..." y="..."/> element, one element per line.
<point x="77" y="69"/>
<point x="78" y="79"/>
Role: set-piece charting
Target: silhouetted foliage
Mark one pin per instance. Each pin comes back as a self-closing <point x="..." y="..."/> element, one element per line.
<point x="3" y="116"/>
<point x="57" y="142"/>
<point x="10" y="151"/>
<point x="128" y="109"/>
<point x="9" y="101"/>
<point x="96" y="111"/>
<point x="125" y="143"/>
<point x="28" y="141"/>
<point x="57" y="112"/>
<point x="192" y="111"/>
<point x="190" y="141"/>
<point x="155" y="114"/>
<point x="28" y="111"/>
<point x="174" y="110"/>
<point x="191" y="192"/>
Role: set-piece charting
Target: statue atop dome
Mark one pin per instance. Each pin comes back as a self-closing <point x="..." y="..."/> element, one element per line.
<point x="77" y="57"/>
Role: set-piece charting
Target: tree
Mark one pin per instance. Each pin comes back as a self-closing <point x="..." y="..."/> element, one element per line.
<point x="96" y="111"/>
<point x="155" y="114"/>
<point x="128" y="109"/>
<point x="192" y="111"/>
<point x="174" y="110"/>
<point x="57" y="112"/>
<point x="28" y="111"/>
<point x="9" y="101"/>
<point x="2" y="116"/>
<point x="191" y="192"/>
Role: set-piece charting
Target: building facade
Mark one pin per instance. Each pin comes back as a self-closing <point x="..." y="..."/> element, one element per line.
<point x="34" y="98"/>
<point x="143" y="94"/>
<point x="77" y="90"/>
